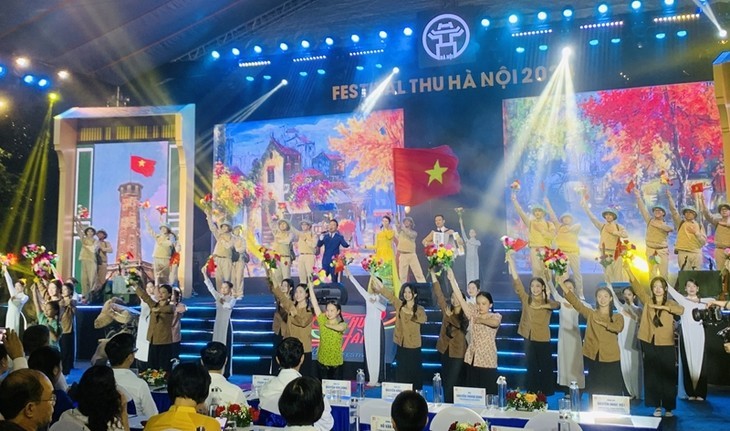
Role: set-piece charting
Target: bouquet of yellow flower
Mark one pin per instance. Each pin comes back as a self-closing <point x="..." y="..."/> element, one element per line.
<point x="154" y="378"/>
<point x="526" y="401"/>
<point x="440" y="257"/>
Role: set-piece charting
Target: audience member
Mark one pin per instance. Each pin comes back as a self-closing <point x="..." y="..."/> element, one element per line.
<point x="290" y="356"/>
<point x="14" y="351"/>
<point x="301" y="403"/>
<point x="34" y="337"/>
<point x="47" y="360"/>
<point x="214" y="359"/>
<point x="26" y="401"/>
<point x="187" y="387"/>
<point x="101" y="406"/>
<point x="120" y="350"/>
<point x="409" y="412"/>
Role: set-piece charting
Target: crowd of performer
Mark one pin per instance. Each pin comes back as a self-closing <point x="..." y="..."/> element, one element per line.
<point x="623" y="340"/>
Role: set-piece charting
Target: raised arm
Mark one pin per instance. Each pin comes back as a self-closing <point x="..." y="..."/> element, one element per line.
<point x="455" y="289"/>
<point x="550" y="210"/>
<point x="37" y="302"/>
<point x="440" y="299"/>
<point x="213" y="228"/>
<point x="79" y="228"/>
<point x="364" y="293"/>
<point x="145" y="297"/>
<point x="579" y="306"/>
<point x="9" y="282"/>
<point x="148" y="226"/>
<point x="209" y="284"/>
<point x="517" y="285"/>
<point x="461" y="225"/>
<point x="641" y="205"/>
<point x="673" y="210"/>
<point x="525" y="218"/>
<point x="387" y="294"/>
<point x="684" y="302"/>
<point x="597" y="223"/>
<point x="313" y="298"/>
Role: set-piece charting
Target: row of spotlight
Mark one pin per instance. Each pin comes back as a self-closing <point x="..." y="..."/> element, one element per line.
<point x="31" y="79"/>
<point x="568" y="12"/>
<point x="320" y="72"/>
<point x="615" y="41"/>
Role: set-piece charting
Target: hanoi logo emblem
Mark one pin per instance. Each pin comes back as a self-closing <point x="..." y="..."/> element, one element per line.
<point x="445" y="37"/>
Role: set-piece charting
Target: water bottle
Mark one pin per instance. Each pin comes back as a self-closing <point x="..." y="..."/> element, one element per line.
<point x="214" y="401"/>
<point x="563" y="425"/>
<point x="360" y="387"/>
<point x="502" y="392"/>
<point x="574" y="399"/>
<point x="354" y="414"/>
<point x="438" y="389"/>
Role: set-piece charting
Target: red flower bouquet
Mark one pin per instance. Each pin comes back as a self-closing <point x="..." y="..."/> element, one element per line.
<point x="241" y="416"/>
<point x="554" y="260"/>
<point x="339" y="262"/>
<point x="269" y="257"/>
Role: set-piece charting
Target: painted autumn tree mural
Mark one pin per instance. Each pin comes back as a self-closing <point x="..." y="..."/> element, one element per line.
<point x="673" y="128"/>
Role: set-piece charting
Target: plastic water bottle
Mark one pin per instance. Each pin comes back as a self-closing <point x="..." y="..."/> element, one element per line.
<point x="438" y="389"/>
<point x="354" y="414"/>
<point x="360" y="384"/>
<point x="563" y="425"/>
<point x="214" y="401"/>
<point x="574" y="399"/>
<point x="502" y="392"/>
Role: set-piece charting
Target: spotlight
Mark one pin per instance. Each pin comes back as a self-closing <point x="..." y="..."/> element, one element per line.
<point x="22" y="62"/>
<point x="542" y="15"/>
<point x="303" y="73"/>
<point x="215" y="54"/>
<point x="396" y="70"/>
<point x="661" y="36"/>
<point x="321" y="71"/>
<point x="63" y="74"/>
<point x="682" y="33"/>
<point x="283" y="46"/>
<point x="329" y="41"/>
<point x="43" y="83"/>
<point x="543" y="47"/>
<point x="267" y="77"/>
<point x="593" y="42"/>
<point x="485" y="22"/>
<point x="257" y="49"/>
<point x="602" y="8"/>
<point x="378" y="66"/>
<point x="249" y="78"/>
<point x="383" y="34"/>
<point x="636" y="5"/>
<point x="284" y="82"/>
<point x="513" y="19"/>
<point x="566" y="52"/>
<point x="722" y="33"/>
<point x="29" y="79"/>
<point x="520" y="50"/>
<point x="360" y="68"/>
<point x="3" y="70"/>
<point x="53" y="96"/>
<point x="668" y="2"/>
<point x="355" y="38"/>
<point x="616" y="40"/>
<point x="408" y="31"/>
<point x="568" y="12"/>
<point x="236" y="52"/>
<point x="3" y="104"/>
<point x="305" y="44"/>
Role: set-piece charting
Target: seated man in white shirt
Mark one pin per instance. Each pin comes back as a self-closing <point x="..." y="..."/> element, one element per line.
<point x="120" y="351"/>
<point x="221" y="392"/>
<point x="290" y="356"/>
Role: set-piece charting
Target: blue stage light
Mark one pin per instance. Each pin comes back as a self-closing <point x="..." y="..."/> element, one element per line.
<point x="360" y="68"/>
<point x="43" y="82"/>
<point x="396" y="70"/>
<point x="668" y="2"/>
<point x="236" y="51"/>
<point x="355" y="38"/>
<point x="3" y="70"/>
<point x="305" y="44"/>
<point x="283" y="46"/>
<point x="520" y="50"/>
<point x="249" y="78"/>
<point x="513" y="19"/>
<point x="542" y="15"/>
<point x="321" y="71"/>
<point x="378" y="66"/>
<point x="593" y="42"/>
<point x="543" y="47"/>
<point x="602" y="8"/>
<point x="485" y="22"/>
<point x="257" y="49"/>
<point x="408" y="31"/>
<point x="303" y="73"/>
<point x="383" y="34"/>
<point x="329" y="41"/>
<point x="616" y="40"/>
<point x="636" y="5"/>
<point x="568" y="12"/>
<point x="682" y="33"/>
<point x="267" y="77"/>
<point x="215" y="54"/>
<point x="661" y="36"/>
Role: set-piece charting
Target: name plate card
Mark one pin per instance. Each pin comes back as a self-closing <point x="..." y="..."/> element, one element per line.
<point x="259" y="380"/>
<point x="391" y="390"/>
<point x="612" y="404"/>
<point x="381" y="423"/>
<point x="341" y="388"/>
<point x="464" y="396"/>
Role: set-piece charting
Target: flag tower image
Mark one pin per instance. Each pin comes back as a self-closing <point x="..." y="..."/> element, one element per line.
<point x="128" y="240"/>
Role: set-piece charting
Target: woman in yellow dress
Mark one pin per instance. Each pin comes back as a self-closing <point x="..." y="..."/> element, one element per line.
<point x="384" y="250"/>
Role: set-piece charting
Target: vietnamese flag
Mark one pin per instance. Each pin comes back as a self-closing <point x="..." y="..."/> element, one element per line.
<point x="697" y="188"/>
<point x="142" y="166"/>
<point x="422" y="174"/>
<point x="631" y="186"/>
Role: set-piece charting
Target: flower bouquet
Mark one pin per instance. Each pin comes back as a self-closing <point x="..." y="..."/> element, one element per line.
<point x="43" y="262"/>
<point x="154" y="378"/>
<point x="372" y="264"/>
<point x="626" y="249"/>
<point x="144" y="205"/>
<point x="554" y="260"/>
<point x="206" y="201"/>
<point x="133" y="279"/>
<point x="439" y="257"/>
<point x="464" y="426"/>
<point x="526" y="401"/>
<point x="82" y="212"/>
<point x="8" y="259"/>
<point x="513" y="244"/>
<point x="320" y="277"/>
<point x="31" y="251"/>
<point x="339" y="262"/>
<point x="269" y="257"/>
<point x="162" y="209"/>
<point x="241" y="416"/>
<point x="515" y="186"/>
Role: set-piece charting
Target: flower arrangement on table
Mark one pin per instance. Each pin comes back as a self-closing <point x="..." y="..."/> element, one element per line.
<point x="554" y="259"/>
<point x="465" y="426"/>
<point x="238" y="415"/>
<point x="526" y="401"/>
<point x="8" y="259"/>
<point x="440" y="257"/>
<point x="154" y="378"/>
<point x="340" y="261"/>
<point x="270" y="258"/>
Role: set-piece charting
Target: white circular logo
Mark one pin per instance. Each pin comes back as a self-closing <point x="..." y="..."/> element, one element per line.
<point x="445" y="37"/>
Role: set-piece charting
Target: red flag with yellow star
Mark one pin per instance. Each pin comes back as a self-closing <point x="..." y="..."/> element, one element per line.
<point x="422" y="174"/>
<point x="142" y="166"/>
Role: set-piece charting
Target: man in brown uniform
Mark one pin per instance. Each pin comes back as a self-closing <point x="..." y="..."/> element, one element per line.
<point x="691" y="237"/>
<point x="611" y="233"/>
<point x="657" y="234"/>
<point x="721" y="223"/>
<point x="540" y="234"/>
<point x="223" y="250"/>
<point x="407" y="257"/>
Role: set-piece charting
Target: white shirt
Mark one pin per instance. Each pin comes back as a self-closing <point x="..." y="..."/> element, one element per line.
<point x="226" y="392"/>
<point x="271" y="392"/>
<point x="136" y="390"/>
<point x="73" y="420"/>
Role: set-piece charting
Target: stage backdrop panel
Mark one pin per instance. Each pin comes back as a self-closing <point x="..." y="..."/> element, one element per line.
<point x="593" y="145"/>
<point x="310" y="168"/>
